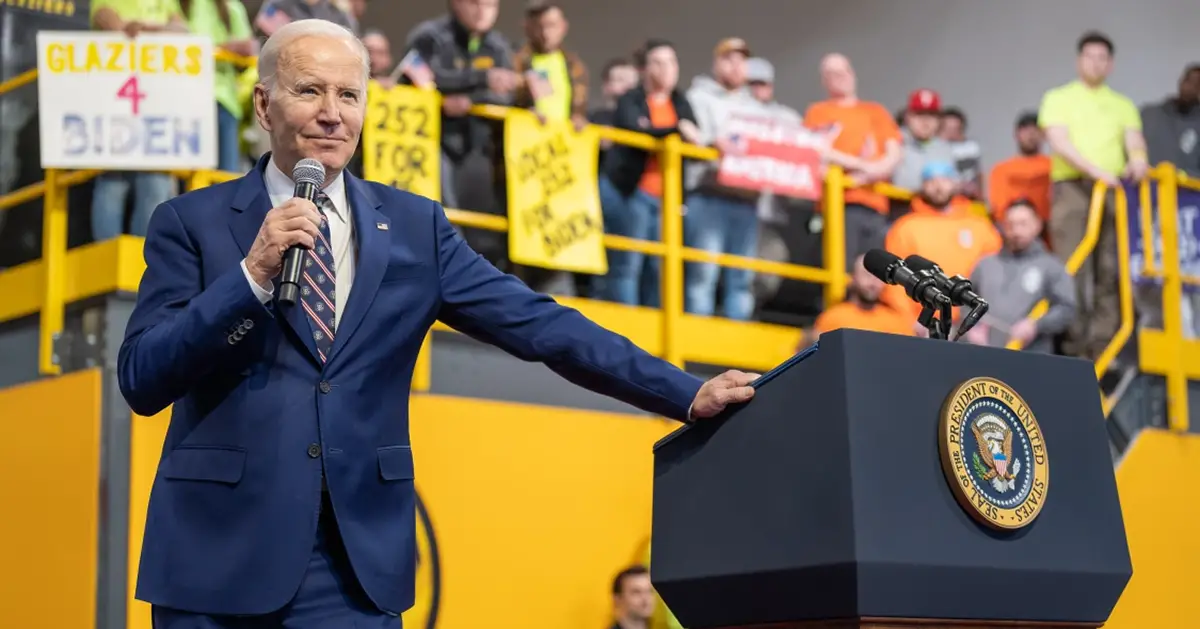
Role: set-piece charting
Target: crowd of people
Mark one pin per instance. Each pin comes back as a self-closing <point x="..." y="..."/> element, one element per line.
<point x="1010" y="227"/>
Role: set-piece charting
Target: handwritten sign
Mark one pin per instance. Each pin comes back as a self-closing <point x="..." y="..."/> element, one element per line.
<point x="402" y="139"/>
<point x="553" y="204"/>
<point x="772" y="156"/>
<point x="110" y="102"/>
<point x="1188" y="230"/>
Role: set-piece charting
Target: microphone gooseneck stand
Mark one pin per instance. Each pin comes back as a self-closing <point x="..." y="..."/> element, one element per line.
<point x="939" y="326"/>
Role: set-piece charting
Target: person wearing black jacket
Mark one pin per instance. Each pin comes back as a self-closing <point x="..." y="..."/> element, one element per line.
<point x="631" y="183"/>
<point x="471" y="63"/>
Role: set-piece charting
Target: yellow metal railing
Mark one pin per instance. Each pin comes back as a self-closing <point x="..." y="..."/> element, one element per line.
<point x="671" y="249"/>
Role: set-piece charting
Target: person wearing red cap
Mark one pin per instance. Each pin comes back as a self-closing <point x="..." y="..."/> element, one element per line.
<point x="921" y="143"/>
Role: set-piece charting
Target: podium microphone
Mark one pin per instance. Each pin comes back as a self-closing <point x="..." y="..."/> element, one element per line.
<point x="308" y="174"/>
<point x="959" y="288"/>
<point x="920" y="286"/>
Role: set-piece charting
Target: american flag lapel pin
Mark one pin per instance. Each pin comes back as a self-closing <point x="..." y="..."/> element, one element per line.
<point x="381" y="226"/>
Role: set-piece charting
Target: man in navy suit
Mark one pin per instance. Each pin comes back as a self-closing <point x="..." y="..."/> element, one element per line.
<point x="284" y="496"/>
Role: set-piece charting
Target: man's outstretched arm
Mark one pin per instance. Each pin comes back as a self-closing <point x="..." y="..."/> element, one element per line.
<point x="500" y="310"/>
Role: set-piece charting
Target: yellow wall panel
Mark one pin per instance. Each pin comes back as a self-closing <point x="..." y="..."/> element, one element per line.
<point x="533" y="510"/>
<point x="1161" y="506"/>
<point x="145" y="447"/>
<point x="50" y="484"/>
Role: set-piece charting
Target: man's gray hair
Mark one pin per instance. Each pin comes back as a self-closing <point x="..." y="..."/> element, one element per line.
<point x="268" y="57"/>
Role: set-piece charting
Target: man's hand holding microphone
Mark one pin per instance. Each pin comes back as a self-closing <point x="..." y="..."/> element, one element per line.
<point x="295" y="222"/>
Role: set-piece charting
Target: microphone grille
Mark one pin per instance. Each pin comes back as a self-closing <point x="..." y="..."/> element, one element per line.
<point x="878" y="262"/>
<point x="309" y="171"/>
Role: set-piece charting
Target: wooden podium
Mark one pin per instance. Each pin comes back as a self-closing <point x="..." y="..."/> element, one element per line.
<point x="888" y="482"/>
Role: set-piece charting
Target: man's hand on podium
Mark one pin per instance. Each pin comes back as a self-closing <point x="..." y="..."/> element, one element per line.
<point x="731" y="387"/>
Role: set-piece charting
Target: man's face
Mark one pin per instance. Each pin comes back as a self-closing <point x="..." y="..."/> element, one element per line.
<point x="730" y="69"/>
<point x="762" y="91"/>
<point x="477" y="16"/>
<point x="1189" y="87"/>
<point x="952" y="129"/>
<point x="636" y="600"/>
<point x="620" y="79"/>
<point x="1095" y="63"/>
<point x="662" y="67"/>
<point x="922" y="125"/>
<point x="866" y="286"/>
<point x="381" y="54"/>
<point x="315" y="108"/>
<point x="837" y="76"/>
<point x="938" y="191"/>
<point x="358" y="8"/>
<point x="1029" y="139"/>
<point x="547" y="31"/>
<point x="1021" y="227"/>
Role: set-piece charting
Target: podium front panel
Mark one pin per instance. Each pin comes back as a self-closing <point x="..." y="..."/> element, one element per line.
<point x="826" y="497"/>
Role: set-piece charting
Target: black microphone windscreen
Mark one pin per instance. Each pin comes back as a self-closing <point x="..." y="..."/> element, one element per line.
<point x="878" y="262"/>
<point x="918" y="264"/>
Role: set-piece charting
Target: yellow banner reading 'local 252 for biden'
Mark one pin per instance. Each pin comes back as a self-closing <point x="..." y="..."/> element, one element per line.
<point x="553" y="203"/>
<point x="402" y="138"/>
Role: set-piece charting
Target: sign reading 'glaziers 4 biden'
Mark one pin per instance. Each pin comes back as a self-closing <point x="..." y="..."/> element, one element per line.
<point x="114" y="103"/>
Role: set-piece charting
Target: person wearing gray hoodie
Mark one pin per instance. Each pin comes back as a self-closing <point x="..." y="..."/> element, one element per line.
<point x="1015" y="280"/>
<point x="720" y="219"/>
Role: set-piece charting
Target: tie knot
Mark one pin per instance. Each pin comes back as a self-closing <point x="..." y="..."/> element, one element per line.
<point x="324" y="204"/>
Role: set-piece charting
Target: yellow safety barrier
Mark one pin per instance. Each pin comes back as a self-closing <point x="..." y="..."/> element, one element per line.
<point x="671" y="151"/>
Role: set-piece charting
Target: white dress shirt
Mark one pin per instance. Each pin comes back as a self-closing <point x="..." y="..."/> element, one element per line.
<point x="280" y="188"/>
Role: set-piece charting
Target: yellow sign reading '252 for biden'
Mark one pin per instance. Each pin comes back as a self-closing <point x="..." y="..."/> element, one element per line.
<point x="113" y="103"/>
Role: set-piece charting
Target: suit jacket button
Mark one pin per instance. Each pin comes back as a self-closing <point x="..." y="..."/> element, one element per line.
<point x="324" y="386"/>
<point x="314" y="450"/>
<point x="232" y="339"/>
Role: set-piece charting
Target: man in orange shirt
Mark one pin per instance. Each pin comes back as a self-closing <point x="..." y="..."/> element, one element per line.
<point x="862" y="309"/>
<point x="943" y="231"/>
<point x="1025" y="176"/>
<point x="865" y="141"/>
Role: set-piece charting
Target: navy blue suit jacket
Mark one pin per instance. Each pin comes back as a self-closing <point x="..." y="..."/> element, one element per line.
<point x="233" y="511"/>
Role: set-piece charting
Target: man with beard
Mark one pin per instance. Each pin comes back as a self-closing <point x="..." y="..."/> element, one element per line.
<point x="941" y="230"/>
<point x="1015" y="280"/>
<point x="862" y="309"/>
<point x="1172" y="127"/>
<point x="921" y="144"/>
<point x="1023" y="176"/>
<point x="556" y="80"/>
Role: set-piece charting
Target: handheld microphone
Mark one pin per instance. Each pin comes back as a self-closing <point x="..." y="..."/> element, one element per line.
<point x="308" y="174"/>
<point x="960" y="290"/>
<point x="920" y="286"/>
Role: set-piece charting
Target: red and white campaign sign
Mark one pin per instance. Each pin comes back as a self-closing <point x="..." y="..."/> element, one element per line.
<point x="772" y="156"/>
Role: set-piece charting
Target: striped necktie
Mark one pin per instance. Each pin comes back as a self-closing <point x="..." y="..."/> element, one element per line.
<point x="317" y="291"/>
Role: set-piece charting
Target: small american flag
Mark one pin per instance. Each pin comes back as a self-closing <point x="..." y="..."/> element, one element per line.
<point x="539" y="84"/>
<point x="271" y="19"/>
<point x="415" y="68"/>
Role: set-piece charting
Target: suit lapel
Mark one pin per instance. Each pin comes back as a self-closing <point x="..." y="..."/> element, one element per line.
<point x="251" y="204"/>
<point x="370" y="228"/>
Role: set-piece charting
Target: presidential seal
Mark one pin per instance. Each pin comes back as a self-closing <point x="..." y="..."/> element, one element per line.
<point x="993" y="454"/>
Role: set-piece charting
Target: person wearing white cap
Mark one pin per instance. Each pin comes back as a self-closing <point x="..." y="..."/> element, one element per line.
<point x="760" y="76"/>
